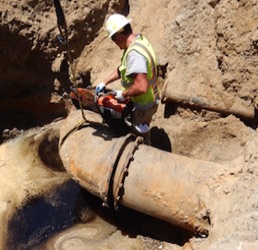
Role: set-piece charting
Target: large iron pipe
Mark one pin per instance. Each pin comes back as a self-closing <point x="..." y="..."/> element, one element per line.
<point x="125" y="171"/>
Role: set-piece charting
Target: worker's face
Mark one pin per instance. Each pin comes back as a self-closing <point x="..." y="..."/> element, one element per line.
<point x="119" y="40"/>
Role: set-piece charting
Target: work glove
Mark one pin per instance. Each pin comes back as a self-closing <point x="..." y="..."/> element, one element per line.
<point x="100" y="87"/>
<point x="119" y="96"/>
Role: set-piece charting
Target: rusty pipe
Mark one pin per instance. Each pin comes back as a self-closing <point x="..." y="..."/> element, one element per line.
<point x="123" y="171"/>
<point x="222" y="102"/>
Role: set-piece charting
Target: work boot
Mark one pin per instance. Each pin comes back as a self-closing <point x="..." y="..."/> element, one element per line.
<point x="144" y="131"/>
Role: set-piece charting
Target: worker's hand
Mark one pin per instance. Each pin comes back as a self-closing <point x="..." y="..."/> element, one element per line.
<point x="100" y="87"/>
<point x="119" y="95"/>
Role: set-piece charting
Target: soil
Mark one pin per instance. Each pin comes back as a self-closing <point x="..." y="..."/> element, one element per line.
<point x="208" y="82"/>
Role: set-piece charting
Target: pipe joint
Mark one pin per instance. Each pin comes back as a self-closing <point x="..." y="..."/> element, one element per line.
<point x="122" y="170"/>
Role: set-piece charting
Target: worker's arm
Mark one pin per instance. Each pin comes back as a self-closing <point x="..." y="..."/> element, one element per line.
<point x="139" y="86"/>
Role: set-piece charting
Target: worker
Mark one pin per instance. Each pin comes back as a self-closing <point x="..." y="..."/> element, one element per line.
<point x="138" y="74"/>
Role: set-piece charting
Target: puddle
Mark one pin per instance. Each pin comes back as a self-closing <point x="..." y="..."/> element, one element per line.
<point x="41" y="217"/>
<point x="70" y="218"/>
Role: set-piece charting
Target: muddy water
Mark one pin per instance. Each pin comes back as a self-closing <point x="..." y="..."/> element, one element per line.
<point x="70" y="218"/>
<point x="43" y="216"/>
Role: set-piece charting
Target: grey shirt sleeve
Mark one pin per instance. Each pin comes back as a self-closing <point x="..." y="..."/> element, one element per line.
<point x="135" y="63"/>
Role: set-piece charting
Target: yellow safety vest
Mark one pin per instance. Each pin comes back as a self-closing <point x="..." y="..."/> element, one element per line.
<point x="142" y="45"/>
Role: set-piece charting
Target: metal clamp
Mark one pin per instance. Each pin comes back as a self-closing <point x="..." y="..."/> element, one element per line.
<point x="122" y="171"/>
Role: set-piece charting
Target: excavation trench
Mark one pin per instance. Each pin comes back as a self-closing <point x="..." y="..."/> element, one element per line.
<point x="146" y="192"/>
<point x="67" y="212"/>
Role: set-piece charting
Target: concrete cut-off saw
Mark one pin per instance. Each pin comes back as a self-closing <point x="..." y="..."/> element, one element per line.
<point x="103" y="103"/>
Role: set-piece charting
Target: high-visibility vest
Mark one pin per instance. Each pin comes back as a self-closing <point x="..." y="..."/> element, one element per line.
<point x="142" y="46"/>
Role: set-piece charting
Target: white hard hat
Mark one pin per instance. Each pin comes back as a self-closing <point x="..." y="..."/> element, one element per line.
<point x="115" y="23"/>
